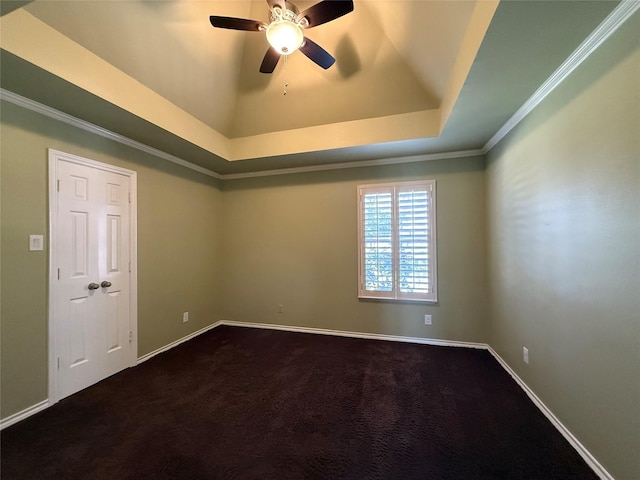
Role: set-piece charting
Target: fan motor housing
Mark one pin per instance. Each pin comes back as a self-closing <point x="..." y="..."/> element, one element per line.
<point x="290" y="14"/>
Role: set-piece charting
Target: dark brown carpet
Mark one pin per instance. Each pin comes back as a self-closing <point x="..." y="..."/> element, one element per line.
<point x="241" y="403"/>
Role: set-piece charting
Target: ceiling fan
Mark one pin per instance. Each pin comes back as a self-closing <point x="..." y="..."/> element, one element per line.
<point x="284" y="30"/>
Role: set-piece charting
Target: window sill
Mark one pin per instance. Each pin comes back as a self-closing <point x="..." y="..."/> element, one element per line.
<point x="397" y="300"/>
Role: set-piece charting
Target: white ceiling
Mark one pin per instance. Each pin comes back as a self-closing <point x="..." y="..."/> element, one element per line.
<point x="411" y="76"/>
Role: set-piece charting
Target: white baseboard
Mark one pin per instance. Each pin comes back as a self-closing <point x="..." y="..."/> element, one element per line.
<point x="575" y="443"/>
<point x="345" y="333"/>
<point x="27" y="412"/>
<point x="169" y="346"/>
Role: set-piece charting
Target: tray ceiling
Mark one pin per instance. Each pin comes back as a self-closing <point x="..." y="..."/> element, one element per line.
<point x="411" y="77"/>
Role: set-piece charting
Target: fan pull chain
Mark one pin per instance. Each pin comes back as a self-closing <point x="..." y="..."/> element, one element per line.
<point x="286" y="84"/>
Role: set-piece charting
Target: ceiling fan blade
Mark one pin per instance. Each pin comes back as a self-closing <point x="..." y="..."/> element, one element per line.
<point x="269" y="61"/>
<point x="326" y="11"/>
<point x="236" y="23"/>
<point x="317" y="54"/>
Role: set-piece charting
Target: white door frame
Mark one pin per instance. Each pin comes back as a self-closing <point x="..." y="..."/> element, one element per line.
<point x="54" y="157"/>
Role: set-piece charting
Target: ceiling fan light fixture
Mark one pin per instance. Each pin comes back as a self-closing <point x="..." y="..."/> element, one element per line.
<point x="284" y="32"/>
<point x="284" y="36"/>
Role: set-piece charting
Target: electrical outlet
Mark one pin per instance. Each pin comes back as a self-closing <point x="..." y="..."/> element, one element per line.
<point x="427" y="319"/>
<point x="525" y="355"/>
<point x="280" y="309"/>
<point x="185" y="317"/>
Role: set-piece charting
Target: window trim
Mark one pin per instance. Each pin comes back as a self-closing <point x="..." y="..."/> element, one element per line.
<point x="395" y="295"/>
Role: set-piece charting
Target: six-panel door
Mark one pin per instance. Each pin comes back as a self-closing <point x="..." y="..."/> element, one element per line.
<point x="92" y="295"/>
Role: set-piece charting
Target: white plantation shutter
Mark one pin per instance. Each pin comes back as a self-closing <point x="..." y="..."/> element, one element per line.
<point x="397" y="241"/>
<point x="378" y="241"/>
<point x="413" y="240"/>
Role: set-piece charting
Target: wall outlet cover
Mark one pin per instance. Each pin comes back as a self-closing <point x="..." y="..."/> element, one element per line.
<point x="427" y="319"/>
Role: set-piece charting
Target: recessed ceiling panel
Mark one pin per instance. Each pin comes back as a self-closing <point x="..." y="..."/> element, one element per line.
<point x="392" y="58"/>
<point x="159" y="73"/>
<point x="168" y="46"/>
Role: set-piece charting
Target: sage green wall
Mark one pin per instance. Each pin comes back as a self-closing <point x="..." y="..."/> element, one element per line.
<point x="291" y="240"/>
<point x="178" y="247"/>
<point x="540" y="250"/>
<point x="563" y="202"/>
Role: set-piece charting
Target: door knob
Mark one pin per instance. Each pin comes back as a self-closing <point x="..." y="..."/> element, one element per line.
<point x="105" y="284"/>
<point x="93" y="286"/>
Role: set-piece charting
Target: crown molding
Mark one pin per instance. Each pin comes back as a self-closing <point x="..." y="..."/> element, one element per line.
<point x="37" y="107"/>
<point x="609" y="25"/>
<point x="356" y="164"/>
<point x="50" y="112"/>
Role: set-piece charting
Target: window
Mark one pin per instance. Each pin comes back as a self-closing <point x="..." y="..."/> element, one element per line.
<point x="397" y="241"/>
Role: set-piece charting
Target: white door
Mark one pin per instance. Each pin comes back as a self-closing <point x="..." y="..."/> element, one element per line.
<point x="91" y="291"/>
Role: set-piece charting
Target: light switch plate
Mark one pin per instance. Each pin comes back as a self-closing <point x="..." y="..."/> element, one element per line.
<point x="36" y="243"/>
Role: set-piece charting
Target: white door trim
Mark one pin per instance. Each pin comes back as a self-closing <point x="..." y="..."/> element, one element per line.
<point x="54" y="157"/>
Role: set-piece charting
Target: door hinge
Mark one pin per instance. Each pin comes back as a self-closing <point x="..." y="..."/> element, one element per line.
<point x="58" y="273"/>
<point x="58" y="185"/>
<point x="58" y="363"/>
<point x="130" y="337"/>
<point x="129" y="267"/>
<point x="129" y="197"/>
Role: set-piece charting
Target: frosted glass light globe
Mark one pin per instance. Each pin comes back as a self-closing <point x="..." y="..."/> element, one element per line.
<point x="284" y="36"/>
